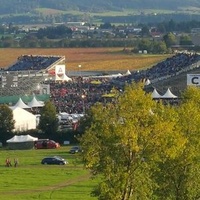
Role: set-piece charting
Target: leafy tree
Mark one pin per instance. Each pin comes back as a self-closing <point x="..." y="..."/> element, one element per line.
<point x="159" y="47"/>
<point x="124" y="141"/>
<point x="48" y="120"/>
<point x="144" y="44"/>
<point x="169" y="39"/>
<point x="6" y="122"/>
<point x="145" y="31"/>
<point x="179" y="177"/>
<point x="185" y="40"/>
<point x="172" y="25"/>
<point x="106" y="25"/>
<point x="29" y="41"/>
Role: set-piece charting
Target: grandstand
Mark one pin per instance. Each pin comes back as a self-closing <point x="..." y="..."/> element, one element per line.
<point x="31" y="72"/>
<point x="176" y="81"/>
<point x="25" y="75"/>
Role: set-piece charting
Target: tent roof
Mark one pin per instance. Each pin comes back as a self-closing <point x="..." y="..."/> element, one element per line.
<point x="168" y="95"/>
<point x="21" y="138"/>
<point x="21" y="104"/>
<point x="155" y="94"/>
<point x="147" y="82"/>
<point x="35" y="103"/>
<point x="128" y="72"/>
<point x="21" y="113"/>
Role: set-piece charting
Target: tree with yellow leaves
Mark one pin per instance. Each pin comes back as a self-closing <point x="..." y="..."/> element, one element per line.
<point x="125" y="142"/>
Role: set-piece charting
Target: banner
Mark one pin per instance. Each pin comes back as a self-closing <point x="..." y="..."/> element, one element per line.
<point x="193" y="79"/>
<point x="60" y="72"/>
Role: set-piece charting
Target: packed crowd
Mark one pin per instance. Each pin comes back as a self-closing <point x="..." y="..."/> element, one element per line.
<point x="33" y="62"/>
<point x="169" y="67"/>
<point x="79" y="94"/>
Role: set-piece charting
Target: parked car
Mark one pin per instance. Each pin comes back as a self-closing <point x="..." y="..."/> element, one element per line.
<point x="46" y="144"/>
<point x="75" y="149"/>
<point x="54" y="160"/>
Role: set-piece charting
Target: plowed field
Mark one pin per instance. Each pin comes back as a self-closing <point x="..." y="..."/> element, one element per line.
<point x="90" y="59"/>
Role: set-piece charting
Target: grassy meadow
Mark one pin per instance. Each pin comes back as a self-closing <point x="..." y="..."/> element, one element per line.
<point x="90" y="59"/>
<point x="32" y="180"/>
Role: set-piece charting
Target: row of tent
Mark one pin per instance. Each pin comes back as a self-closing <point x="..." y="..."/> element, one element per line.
<point x="167" y="95"/>
<point x="33" y="104"/>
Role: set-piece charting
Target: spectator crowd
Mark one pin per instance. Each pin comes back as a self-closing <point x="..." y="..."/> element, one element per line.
<point x="33" y="62"/>
<point x="82" y="92"/>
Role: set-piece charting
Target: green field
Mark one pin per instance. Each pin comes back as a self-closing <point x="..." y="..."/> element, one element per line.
<point x="32" y="180"/>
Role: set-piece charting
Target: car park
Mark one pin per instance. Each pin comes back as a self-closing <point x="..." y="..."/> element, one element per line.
<point x="54" y="160"/>
<point x="75" y="149"/>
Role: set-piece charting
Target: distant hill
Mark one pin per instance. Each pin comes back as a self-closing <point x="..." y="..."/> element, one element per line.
<point x="29" y="6"/>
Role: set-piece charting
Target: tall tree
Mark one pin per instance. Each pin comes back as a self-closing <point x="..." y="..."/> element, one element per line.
<point x="169" y="39"/>
<point x="48" y="120"/>
<point x="179" y="178"/>
<point x="185" y="40"/>
<point x="124" y="141"/>
<point x="6" y="122"/>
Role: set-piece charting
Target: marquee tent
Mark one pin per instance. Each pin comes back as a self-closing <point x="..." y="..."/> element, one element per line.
<point x="155" y="94"/>
<point x="147" y="82"/>
<point x="168" y="95"/>
<point x="21" y="104"/>
<point x="35" y="103"/>
<point x="24" y="120"/>
<point x="21" y="142"/>
<point x="128" y="72"/>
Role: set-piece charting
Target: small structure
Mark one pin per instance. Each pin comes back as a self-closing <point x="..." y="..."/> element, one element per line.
<point x="20" y="104"/>
<point x="35" y="103"/>
<point x="169" y="95"/>
<point x="155" y="94"/>
<point x="60" y="73"/>
<point x="21" y="142"/>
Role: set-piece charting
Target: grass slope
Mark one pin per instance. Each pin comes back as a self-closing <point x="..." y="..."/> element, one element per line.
<point x="31" y="180"/>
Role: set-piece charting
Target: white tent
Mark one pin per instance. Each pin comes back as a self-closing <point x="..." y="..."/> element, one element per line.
<point x="168" y="95"/>
<point x="35" y="103"/>
<point x="20" y="104"/>
<point x="147" y="82"/>
<point x="22" y="138"/>
<point x="24" y="120"/>
<point x="155" y="94"/>
<point x="21" y="142"/>
<point x="128" y="72"/>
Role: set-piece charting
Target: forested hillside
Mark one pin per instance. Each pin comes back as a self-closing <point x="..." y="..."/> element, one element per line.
<point x="27" y="6"/>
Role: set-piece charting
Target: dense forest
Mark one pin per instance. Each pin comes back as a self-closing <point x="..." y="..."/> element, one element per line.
<point x="26" y="6"/>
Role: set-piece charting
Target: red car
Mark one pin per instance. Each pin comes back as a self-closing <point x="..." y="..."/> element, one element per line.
<point x="46" y="144"/>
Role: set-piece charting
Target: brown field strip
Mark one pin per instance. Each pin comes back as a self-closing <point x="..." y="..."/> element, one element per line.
<point x="90" y="59"/>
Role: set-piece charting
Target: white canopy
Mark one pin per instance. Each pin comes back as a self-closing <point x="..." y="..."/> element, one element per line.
<point x="20" y="104"/>
<point x="21" y="138"/>
<point x="24" y="120"/>
<point x="35" y="103"/>
<point x="128" y="72"/>
<point x="155" y="94"/>
<point x="147" y="82"/>
<point x="168" y="95"/>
